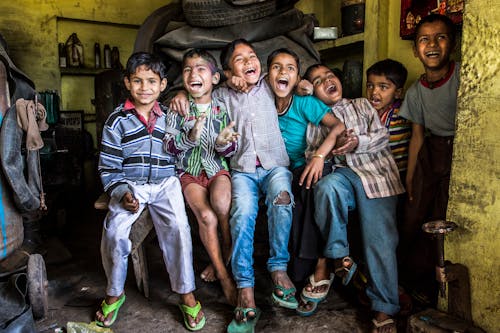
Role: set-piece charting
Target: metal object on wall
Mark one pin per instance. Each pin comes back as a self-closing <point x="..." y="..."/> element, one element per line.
<point x="353" y="16"/>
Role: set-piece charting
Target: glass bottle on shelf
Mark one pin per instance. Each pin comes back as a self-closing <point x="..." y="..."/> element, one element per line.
<point x="97" y="55"/>
<point x="107" y="56"/>
<point x="62" y="55"/>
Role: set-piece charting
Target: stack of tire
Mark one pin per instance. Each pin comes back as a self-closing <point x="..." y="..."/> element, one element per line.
<point x="268" y="24"/>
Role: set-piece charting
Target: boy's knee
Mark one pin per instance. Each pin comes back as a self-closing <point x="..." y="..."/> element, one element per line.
<point x="207" y="218"/>
<point x="283" y="198"/>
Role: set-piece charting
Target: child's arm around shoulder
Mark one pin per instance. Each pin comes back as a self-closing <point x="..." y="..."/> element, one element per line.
<point x="372" y="136"/>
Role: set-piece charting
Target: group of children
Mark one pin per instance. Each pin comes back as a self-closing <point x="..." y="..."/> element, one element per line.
<point x="313" y="159"/>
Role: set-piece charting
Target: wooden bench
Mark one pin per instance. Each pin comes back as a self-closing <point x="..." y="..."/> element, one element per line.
<point x="140" y="230"/>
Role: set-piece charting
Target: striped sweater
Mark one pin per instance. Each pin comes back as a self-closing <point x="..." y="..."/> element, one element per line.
<point x="130" y="154"/>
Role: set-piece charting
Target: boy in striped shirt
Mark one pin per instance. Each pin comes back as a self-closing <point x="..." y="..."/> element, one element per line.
<point x="202" y="140"/>
<point x="385" y="81"/>
<point x="137" y="174"/>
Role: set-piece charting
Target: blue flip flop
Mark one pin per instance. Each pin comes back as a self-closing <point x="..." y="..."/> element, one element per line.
<point x="108" y="308"/>
<point x="310" y="312"/>
<point x="247" y="325"/>
<point x="287" y="300"/>
<point x="349" y="272"/>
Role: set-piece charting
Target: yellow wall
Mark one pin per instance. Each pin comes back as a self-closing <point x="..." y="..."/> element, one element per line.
<point x="475" y="183"/>
<point x="32" y="32"/>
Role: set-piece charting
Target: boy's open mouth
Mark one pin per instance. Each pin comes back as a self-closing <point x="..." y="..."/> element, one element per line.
<point x="282" y="83"/>
<point x="432" y="54"/>
<point x="331" y="89"/>
<point x="250" y="71"/>
<point x="195" y="84"/>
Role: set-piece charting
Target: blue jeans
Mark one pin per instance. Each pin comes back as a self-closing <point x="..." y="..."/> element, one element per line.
<point x="337" y="194"/>
<point x="246" y="191"/>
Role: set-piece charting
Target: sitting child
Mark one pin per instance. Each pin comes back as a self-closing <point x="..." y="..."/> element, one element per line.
<point x="138" y="174"/>
<point x="258" y="169"/>
<point x="365" y="178"/>
<point x="295" y="113"/>
<point x="201" y="140"/>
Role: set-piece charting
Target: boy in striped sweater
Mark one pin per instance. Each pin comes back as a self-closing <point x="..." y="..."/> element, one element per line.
<point x="138" y="174"/>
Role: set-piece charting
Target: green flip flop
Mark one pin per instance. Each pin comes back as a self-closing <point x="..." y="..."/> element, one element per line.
<point x="287" y="300"/>
<point x="248" y="324"/>
<point x="108" y="308"/>
<point x="193" y="313"/>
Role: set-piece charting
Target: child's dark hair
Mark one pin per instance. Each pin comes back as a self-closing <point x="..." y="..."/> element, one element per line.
<point x="437" y="18"/>
<point x="393" y="70"/>
<point x="151" y="61"/>
<point x="335" y="71"/>
<point x="204" y="54"/>
<point x="227" y="51"/>
<point x="283" y="50"/>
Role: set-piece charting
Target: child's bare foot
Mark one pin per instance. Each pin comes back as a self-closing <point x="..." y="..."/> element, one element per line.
<point x="105" y="318"/>
<point x="245" y="300"/>
<point x="190" y="301"/>
<point x="321" y="273"/>
<point x="280" y="278"/>
<point x="383" y="323"/>
<point x="208" y="274"/>
<point x="284" y="290"/>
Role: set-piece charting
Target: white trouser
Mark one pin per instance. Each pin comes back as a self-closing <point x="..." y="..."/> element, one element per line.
<point x="166" y="206"/>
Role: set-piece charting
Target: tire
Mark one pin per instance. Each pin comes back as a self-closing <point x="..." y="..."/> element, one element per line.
<point x="37" y="286"/>
<point x="219" y="13"/>
<point x="154" y="26"/>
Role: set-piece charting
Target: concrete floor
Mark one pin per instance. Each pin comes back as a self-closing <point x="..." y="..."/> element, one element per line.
<point x="76" y="287"/>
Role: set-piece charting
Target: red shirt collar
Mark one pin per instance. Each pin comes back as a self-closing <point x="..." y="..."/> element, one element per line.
<point x="439" y="83"/>
<point x="129" y="106"/>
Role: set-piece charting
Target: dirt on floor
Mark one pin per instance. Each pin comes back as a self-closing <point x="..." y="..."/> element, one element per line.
<point x="77" y="282"/>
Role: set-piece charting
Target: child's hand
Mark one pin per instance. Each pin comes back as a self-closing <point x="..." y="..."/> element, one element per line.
<point x="130" y="203"/>
<point x="312" y="172"/>
<point x="180" y="103"/>
<point x="346" y="143"/>
<point x="304" y="88"/>
<point x="227" y="135"/>
<point x="195" y="133"/>
<point x="237" y="83"/>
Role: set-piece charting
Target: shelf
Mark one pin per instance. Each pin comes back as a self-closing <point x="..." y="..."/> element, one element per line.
<point x="115" y="24"/>
<point x="77" y="71"/>
<point x="343" y="41"/>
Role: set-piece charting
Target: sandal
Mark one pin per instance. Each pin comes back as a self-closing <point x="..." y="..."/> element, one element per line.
<point x="346" y="272"/>
<point x="317" y="296"/>
<point x="287" y="300"/>
<point x="301" y="311"/>
<point x="193" y="313"/>
<point x="377" y="325"/>
<point x="106" y="309"/>
<point x="247" y="325"/>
